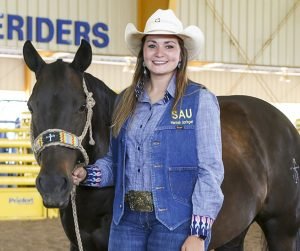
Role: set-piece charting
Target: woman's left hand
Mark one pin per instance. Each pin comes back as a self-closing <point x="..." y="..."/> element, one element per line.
<point x="193" y="243"/>
<point x="78" y="175"/>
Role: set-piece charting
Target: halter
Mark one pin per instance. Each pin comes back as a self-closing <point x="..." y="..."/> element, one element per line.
<point x="59" y="137"/>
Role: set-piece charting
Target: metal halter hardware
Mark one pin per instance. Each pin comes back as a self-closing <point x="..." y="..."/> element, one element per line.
<point x="59" y="137"/>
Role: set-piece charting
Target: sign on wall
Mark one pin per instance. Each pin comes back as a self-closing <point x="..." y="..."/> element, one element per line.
<point x="46" y="30"/>
<point x="60" y="25"/>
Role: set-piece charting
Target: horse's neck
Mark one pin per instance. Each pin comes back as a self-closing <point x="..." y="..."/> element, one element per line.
<point x="101" y="120"/>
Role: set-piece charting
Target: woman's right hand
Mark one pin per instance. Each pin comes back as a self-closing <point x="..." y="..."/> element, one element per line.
<point x="79" y="175"/>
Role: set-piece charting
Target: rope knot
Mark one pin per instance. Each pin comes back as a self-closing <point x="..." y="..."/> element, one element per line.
<point x="90" y="101"/>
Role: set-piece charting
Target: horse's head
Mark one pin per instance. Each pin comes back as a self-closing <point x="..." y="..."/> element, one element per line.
<point x="59" y="108"/>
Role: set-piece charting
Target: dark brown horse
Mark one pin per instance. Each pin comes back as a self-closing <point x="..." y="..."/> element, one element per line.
<point x="58" y="101"/>
<point x="261" y="155"/>
<point x="261" y="152"/>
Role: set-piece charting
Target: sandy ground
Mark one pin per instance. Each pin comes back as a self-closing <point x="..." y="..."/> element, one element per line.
<point x="48" y="235"/>
<point x="37" y="235"/>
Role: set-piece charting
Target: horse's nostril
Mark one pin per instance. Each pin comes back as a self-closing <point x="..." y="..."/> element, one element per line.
<point x="41" y="183"/>
<point x="64" y="183"/>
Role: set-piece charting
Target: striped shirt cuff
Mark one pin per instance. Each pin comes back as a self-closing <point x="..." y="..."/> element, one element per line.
<point x="93" y="177"/>
<point x="201" y="225"/>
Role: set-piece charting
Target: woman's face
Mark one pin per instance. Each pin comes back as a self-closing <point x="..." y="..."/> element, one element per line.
<point x="161" y="54"/>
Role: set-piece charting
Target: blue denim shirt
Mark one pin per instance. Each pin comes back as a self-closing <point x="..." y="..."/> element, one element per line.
<point x="138" y="162"/>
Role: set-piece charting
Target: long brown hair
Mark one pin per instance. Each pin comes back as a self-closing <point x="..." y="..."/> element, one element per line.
<point x="128" y="100"/>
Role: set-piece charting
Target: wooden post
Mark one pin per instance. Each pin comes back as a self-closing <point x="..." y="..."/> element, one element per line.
<point x="146" y="8"/>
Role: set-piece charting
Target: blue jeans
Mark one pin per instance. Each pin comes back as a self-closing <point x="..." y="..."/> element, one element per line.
<point x="139" y="231"/>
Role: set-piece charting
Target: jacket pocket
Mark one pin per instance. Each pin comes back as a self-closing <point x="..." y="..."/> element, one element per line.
<point x="182" y="182"/>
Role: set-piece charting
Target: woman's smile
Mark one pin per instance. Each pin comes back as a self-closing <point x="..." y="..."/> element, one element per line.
<point x="161" y="54"/>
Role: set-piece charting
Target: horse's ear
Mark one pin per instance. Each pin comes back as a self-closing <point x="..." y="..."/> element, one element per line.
<point x="32" y="58"/>
<point x="83" y="56"/>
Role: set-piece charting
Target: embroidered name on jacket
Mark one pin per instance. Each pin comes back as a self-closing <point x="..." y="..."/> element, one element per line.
<point x="182" y="117"/>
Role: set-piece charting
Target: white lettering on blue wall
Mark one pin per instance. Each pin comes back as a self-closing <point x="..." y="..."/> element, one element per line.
<point x="60" y="31"/>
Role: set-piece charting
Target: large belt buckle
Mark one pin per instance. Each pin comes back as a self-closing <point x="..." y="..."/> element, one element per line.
<point x="140" y="201"/>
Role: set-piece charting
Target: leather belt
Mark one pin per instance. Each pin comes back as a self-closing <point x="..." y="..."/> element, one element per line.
<point x="140" y="201"/>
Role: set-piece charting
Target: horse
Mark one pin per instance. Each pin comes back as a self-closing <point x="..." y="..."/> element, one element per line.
<point x="59" y="105"/>
<point x="261" y="155"/>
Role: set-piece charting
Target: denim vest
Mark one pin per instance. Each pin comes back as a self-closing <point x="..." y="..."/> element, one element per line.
<point x="174" y="169"/>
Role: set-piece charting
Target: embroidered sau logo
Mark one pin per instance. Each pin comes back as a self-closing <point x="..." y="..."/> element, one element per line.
<point x="183" y="117"/>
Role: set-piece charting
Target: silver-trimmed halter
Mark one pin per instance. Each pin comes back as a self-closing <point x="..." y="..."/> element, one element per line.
<point x="59" y="137"/>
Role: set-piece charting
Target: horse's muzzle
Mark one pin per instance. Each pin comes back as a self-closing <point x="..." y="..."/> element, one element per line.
<point x="49" y="202"/>
<point x="55" y="191"/>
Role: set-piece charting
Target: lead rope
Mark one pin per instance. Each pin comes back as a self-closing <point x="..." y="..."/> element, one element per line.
<point x="75" y="218"/>
<point x="90" y="102"/>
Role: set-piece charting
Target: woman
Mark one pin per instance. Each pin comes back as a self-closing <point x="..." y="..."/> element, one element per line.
<point x="165" y="155"/>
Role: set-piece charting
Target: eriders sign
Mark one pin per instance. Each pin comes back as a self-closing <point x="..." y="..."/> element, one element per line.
<point x="46" y="30"/>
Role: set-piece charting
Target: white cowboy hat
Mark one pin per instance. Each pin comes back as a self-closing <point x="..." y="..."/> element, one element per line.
<point x="164" y="22"/>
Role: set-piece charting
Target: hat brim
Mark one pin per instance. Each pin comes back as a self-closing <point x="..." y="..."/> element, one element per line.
<point x="192" y="37"/>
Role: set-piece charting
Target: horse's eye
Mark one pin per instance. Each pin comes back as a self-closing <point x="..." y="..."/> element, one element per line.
<point x="82" y="108"/>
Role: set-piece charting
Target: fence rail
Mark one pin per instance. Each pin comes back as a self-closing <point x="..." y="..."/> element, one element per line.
<point x="15" y="143"/>
<point x="19" y="169"/>
<point x="17" y="157"/>
<point x="19" y="198"/>
<point x="17" y="180"/>
<point x="15" y="130"/>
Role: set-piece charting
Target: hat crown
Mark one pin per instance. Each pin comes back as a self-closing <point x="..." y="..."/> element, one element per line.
<point x="163" y="20"/>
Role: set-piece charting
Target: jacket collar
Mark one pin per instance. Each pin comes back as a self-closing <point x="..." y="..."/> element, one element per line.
<point x="170" y="92"/>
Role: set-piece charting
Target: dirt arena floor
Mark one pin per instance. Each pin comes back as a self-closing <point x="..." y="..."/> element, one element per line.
<point x="48" y="235"/>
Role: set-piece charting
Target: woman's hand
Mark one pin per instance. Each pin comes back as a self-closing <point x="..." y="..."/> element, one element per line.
<point x="79" y="175"/>
<point x="193" y="243"/>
